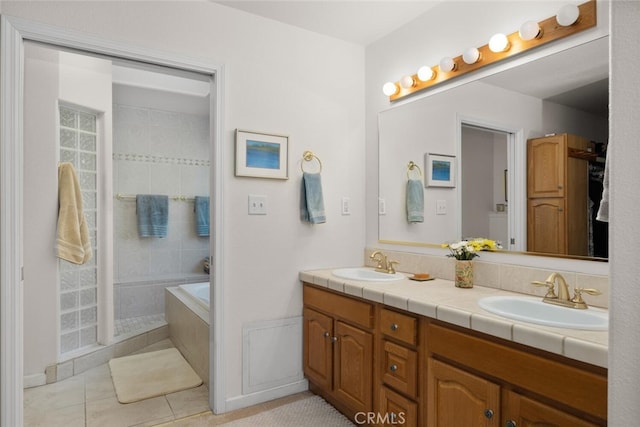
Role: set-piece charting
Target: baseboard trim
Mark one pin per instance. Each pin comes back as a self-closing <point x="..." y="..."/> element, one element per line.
<point x="34" y="380"/>
<point x="247" y="400"/>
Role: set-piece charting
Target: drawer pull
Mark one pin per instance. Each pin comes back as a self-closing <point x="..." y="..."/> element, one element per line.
<point x="393" y="368"/>
<point x="394" y="326"/>
<point x="488" y="413"/>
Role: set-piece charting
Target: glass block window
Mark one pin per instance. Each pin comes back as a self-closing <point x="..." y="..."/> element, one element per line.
<point x="79" y="283"/>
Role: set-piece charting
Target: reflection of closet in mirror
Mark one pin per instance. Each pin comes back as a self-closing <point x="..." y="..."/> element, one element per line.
<point x="483" y="163"/>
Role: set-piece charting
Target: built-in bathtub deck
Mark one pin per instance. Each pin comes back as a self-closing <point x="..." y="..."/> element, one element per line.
<point x="189" y="329"/>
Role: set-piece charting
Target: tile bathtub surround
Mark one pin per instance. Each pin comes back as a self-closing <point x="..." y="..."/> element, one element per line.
<point x="512" y="278"/>
<point x="159" y="152"/>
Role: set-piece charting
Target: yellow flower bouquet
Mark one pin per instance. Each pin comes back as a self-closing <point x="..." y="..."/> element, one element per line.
<point x="466" y="250"/>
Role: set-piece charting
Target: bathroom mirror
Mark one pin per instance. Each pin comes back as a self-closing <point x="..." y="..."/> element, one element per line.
<point x="484" y="125"/>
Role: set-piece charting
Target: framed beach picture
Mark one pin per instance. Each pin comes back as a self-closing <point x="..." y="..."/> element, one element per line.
<point x="262" y="155"/>
<point x="441" y="170"/>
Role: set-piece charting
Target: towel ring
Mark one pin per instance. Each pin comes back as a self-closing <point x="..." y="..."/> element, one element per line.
<point x="411" y="166"/>
<point x="308" y="156"/>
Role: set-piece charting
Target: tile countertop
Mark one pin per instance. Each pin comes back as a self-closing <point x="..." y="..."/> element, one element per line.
<point x="440" y="299"/>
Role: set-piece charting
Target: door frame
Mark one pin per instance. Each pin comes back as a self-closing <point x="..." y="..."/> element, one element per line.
<point x="13" y="33"/>
<point x="516" y="179"/>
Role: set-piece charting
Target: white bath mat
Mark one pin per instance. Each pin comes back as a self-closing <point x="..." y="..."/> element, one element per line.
<point x="146" y="375"/>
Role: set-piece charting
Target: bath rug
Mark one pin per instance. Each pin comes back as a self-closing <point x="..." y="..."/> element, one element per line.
<point x="310" y="412"/>
<point x="146" y="375"/>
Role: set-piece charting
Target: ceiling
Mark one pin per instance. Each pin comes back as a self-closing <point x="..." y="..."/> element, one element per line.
<point x="357" y="21"/>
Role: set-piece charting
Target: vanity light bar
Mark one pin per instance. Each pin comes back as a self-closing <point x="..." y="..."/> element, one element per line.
<point x="549" y="30"/>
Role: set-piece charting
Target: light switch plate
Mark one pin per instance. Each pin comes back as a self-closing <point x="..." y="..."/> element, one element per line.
<point x="441" y="207"/>
<point x="346" y="206"/>
<point x="257" y="204"/>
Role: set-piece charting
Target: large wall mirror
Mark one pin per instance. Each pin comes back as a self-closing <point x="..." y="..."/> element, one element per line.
<point x="481" y="129"/>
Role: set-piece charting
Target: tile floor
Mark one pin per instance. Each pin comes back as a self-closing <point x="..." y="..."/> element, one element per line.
<point x="89" y="400"/>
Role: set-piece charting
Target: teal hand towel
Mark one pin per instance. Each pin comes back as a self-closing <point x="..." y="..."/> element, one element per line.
<point x="311" y="202"/>
<point x="153" y="215"/>
<point x="201" y="209"/>
<point x="415" y="201"/>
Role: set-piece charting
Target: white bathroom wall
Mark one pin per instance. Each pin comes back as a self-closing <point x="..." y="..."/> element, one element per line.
<point x="624" y="339"/>
<point x="85" y="82"/>
<point x="279" y="79"/>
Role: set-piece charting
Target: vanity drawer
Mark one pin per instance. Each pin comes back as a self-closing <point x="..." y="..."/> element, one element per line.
<point x="400" y="368"/>
<point x="343" y="307"/>
<point x="397" y="410"/>
<point x="399" y="326"/>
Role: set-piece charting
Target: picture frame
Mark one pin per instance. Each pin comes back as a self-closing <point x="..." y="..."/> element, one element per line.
<point x="262" y="155"/>
<point x="440" y="170"/>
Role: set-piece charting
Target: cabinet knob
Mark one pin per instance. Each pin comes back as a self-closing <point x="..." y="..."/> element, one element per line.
<point x="326" y="334"/>
<point x="511" y="423"/>
<point x="488" y="413"/>
<point x="559" y="187"/>
<point x="393" y="368"/>
<point x="334" y="339"/>
<point x="394" y="326"/>
<point x="560" y="209"/>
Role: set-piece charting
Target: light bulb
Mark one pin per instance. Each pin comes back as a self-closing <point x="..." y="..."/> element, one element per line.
<point x="471" y="56"/>
<point x="447" y="64"/>
<point x="425" y="73"/>
<point x="389" y="88"/>
<point x="499" y="43"/>
<point x="406" y="82"/>
<point x="568" y="15"/>
<point x="530" y="30"/>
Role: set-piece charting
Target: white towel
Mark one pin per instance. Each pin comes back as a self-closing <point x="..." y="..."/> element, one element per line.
<point x="73" y="243"/>
<point x="603" y="210"/>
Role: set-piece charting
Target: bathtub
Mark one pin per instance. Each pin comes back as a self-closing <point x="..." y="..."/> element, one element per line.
<point x="187" y="313"/>
<point x="199" y="292"/>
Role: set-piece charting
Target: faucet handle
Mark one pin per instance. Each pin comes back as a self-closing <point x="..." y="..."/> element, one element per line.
<point x="551" y="293"/>
<point x="390" y="267"/>
<point x="577" y="297"/>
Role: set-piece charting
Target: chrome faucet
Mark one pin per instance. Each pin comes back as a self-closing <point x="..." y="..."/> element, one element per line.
<point x="563" y="297"/>
<point x="384" y="265"/>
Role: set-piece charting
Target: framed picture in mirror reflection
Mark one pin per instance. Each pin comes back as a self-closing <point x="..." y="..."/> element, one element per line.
<point x="441" y="170"/>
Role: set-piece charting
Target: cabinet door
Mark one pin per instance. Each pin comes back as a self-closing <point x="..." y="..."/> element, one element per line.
<point x="520" y="411"/>
<point x="318" y="334"/>
<point x="353" y="366"/>
<point x="457" y="398"/>
<point x="546" y="226"/>
<point x="546" y="166"/>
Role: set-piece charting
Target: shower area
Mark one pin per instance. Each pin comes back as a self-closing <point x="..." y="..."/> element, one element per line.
<point x="128" y="130"/>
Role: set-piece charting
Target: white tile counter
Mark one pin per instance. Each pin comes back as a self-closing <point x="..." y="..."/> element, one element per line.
<point x="440" y="299"/>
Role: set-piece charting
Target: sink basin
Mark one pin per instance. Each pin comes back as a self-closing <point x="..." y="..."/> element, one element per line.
<point x="533" y="310"/>
<point x="366" y="274"/>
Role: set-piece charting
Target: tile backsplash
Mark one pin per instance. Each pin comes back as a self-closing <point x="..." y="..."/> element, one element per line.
<point x="507" y="277"/>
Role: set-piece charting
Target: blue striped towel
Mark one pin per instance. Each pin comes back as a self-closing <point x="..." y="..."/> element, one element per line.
<point x="153" y="215"/>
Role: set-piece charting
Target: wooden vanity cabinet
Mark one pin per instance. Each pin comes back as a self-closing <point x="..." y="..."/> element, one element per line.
<point x="399" y="396"/>
<point x="412" y="370"/>
<point x="338" y="349"/>
<point x="557" y="195"/>
<point x="474" y="380"/>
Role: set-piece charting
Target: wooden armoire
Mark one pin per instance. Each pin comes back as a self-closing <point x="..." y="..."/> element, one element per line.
<point x="557" y="194"/>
